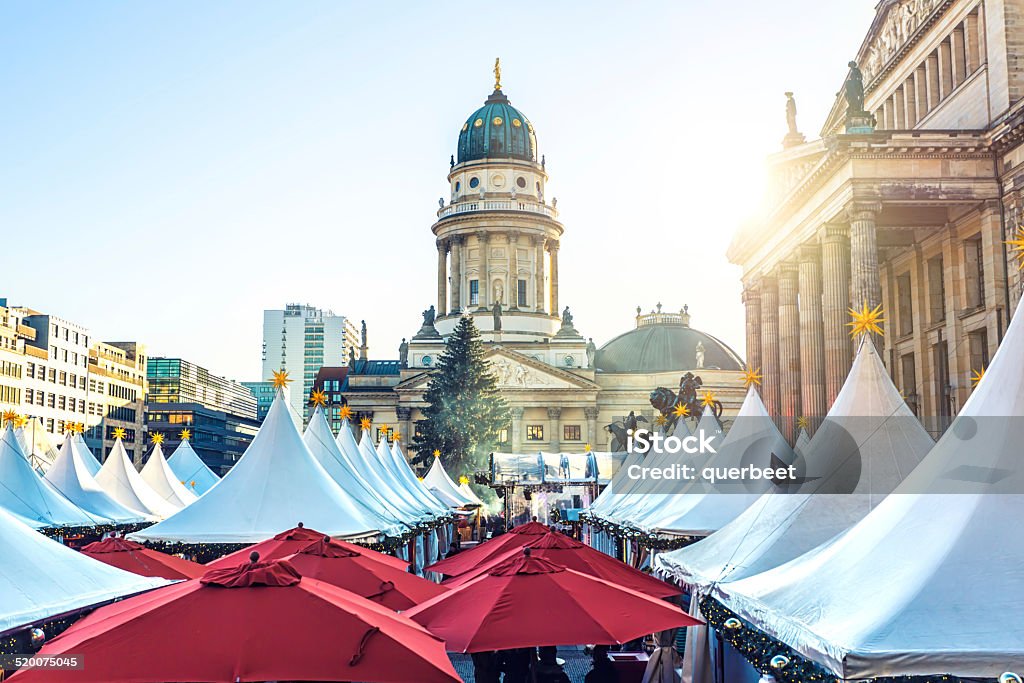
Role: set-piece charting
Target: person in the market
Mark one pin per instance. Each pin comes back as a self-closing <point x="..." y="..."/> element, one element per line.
<point x="602" y="671"/>
<point x="486" y="667"/>
<point x="548" y="669"/>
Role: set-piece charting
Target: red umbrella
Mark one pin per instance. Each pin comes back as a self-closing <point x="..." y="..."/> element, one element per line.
<point x="294" y="540"/>
<point x="570" y="553"/>
<point x="259" y="621"/>
<point x="528" y="601"/>
<point x="138" y="559"/>
<point x="469" y="560"/>
<point x="397" y="589"/>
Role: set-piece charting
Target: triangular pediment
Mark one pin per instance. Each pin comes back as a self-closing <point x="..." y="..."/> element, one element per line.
<point x="515" y="371"/>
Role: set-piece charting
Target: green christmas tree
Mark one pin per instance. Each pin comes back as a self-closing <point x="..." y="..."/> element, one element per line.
<point x="465" y="414"/>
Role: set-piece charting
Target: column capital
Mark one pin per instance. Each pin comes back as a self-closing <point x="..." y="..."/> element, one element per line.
<point x="538" y="240"/>
<point x="513" y="236"/>
<point x="455" y="240"/>
<point x="808" y="252"/>
<point x="863" y="209"/>
<point x="553" y="245"/>
<point x="768" y="281"/>
<point x="517" y="413"/>
<point x="443" y="245"/>
<point x="403" y="413"/>
<point x="591" y="412"/>
<point x="751" y="292"/>
<point x="787" y="268"/>
<point x="554" y="413"/>
<point x="835" y="231"/>
<point x="483" y="236"/>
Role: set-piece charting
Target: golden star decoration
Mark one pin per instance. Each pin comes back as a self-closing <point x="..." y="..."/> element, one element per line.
<point x="345" y="412"/>
<point x="681" y="410"/>
<point x="977" y="376"/>
<point x="21" y="421"/>
<point x="280" y="379"/>
<point x="802" y="422"/>
<point x="80" y="428"/>
<point x="1017" y="246"/>
<point x="10" y="418"/>
<point x="69" y="427"/>
<point x="463" y="480"/>
<point x="365" y="423"/>
<point x="866" y="321"/>
<point x="707" y="399"/>
<point x="437" y="452"/>
<point x="119" y="432"/>
<point x="586" y="448"/>
<point x="193" y="483"/>
<point x="752" y="376"/>
<point x="660" y="420"/>
<point x="185" y="434"/>
<point x="397" y="436"/>
<point x="318" y="398"/>
<point x="157" y="438"/>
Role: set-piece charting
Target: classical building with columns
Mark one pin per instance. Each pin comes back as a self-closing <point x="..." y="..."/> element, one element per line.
<point x="906" y="204"/>
<point x="498" y="242"/>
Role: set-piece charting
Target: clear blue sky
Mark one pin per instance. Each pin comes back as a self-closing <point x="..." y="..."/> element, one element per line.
<point x="171" y="169"/>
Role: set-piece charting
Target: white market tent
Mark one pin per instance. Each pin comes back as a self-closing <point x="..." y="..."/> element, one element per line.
<point x="471" y="495"/>
<point x="32" y="499"/>
<point x="394" y="461"/>
<point x="70" y="475"/>
<point x="802" y="441"/>
<point x="442" y="486"/>
<point x="122" y="481"/>
<point x="324" y="447"/>
<point x="41" y="578"/>
<point x="157" y="473"/>
<point x="752" y="439"/>
<point x="367" y="462"/>
<point x="87" y="457"/>
<point x="274" y="485"/>
<point x="189" y="468"/>
<point x="36" y="445"/>
<point x="869" y="442"/>
<point x="932" y="580"/>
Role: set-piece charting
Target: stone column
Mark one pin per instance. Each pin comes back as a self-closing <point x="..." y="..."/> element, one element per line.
<point x="555" y="425"/>
<point x="404" y="416"/>
<point x="812" y="335"/>
<point x="835" y="304"/>
<point x="517" y="429"/>
<point x="789" y="346"/>
<point x="591" y="412"/>
<point x="538" y="243"/>
<point x="771" y="387"/>
<point x="456" y="247"/>
<point x="442" y="276"/>
<point x="553" y="276"/>
<point x="512" y="296"/>
<point x="484" y="285"/>
<point x="752" y="307"/>
<point x="866" y="284"/>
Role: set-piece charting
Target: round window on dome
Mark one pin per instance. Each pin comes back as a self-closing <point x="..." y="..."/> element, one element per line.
<point x="517" y="123"/>
<point x="474" y="182"/>
<point x="497" y="121"/>
<point x="478" y="123"/>
<point x="521" y="181"/>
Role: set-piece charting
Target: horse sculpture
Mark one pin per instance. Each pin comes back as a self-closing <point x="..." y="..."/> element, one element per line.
<point x="620" y="430"/>
<point x="666" y="401"/>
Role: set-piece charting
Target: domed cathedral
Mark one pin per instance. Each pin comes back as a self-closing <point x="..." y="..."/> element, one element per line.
<point x="498" y="242"/>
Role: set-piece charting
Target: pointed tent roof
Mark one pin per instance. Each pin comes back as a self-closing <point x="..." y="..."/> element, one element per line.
<point x="944" y="545"/>
<point x="276" y="483"/>
<point x="438" y="481"/>
<point x="157" y="473"/>
<point x="88" y="459"/>
<point x="354" y="458"/>
<point x="394" y="459"/>
<point x="802" y="441"/>
<point x="122" y="481"/>
<point x="70" y="475"/>
<point x="188" y="467"/>
<point x="868" y="443"/>
<point x="36" y="445"/>
<point x="364" y="458"/>
<point x="44" y="578"/>
<point x="708" y="423"/>
<point x="397" y="489"/>
<point x="322" y="444"/>
<point x="753" y="438"/>
<point x="32" y="499"/>
<point x="470" y="494"/>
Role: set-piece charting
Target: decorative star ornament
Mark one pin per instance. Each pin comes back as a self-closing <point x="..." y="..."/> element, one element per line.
<point x="345" y="412"/>
<point x="1017" y="246"/>
<point x="119" y="432"/>
<point x="463" y="480"/>
<point x="586" y="448"/>
<point x="707" y="399"/>
<point x="752" y="377"/>
<point x="681" y="410"/>
<point x="977" y="376"/>
<point x="866" y="321"/>
<point x="21" y="421"/>
<point x="69" y="427"/>
<point x="157" y="438"/>
<point x="80" y="427"/>
<point x="185" y="434"/>
<point x="280" y="380"/>
<point x="318" y="398"/>
<point x="365" y="423"/>
<point x="10" y="418"/>
<point x="802" y="422"/>
<point x="660" y="420"/>
<point x="437" y="452"/>
<point x="397" y="436"/>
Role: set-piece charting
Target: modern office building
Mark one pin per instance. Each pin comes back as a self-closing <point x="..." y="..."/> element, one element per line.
<point x="13" y="337"/>
<point x="220" y="413"/>
<point x="264" y="393"/>
<point x="117" y="398"/>
<point x="301" y="339"/>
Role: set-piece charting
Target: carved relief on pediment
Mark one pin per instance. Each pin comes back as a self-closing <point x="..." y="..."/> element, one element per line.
<point x="902" y="19"/>
<point x="511" y="374"/>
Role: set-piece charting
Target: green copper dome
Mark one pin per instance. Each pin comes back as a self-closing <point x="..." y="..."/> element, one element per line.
<point x="497" y="130"/>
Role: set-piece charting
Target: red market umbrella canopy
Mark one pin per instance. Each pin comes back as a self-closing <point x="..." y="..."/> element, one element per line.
<point x="138" y="559"/>
<point x="528" y="601"/>
<point x="570" y="553"/>
<point x="259" y="621"/>
<point x="329" y="561"/>
<point x="292" y="541"/>
<point x="468" y="560"/>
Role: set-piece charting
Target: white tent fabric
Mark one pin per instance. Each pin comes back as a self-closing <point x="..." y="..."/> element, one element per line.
<point x="32" y="499"/>
<point x="801" y="443"/>
<point x="752" y="439"/>
<point x="276" y="484"/>
<point x="88" y="459"/>
<point x="438" y="481"/>
<point x="869" y="432"/>
<point x="324" y="447"/>
<point x="122" y="481"/>
<point x="355" y="459"/>
<point x="471" y="495"/>
<point x="189" y="468"/>
<point x="940" y="559"/>
<point x="394" y="460"/>
<point x="41" y="578"/>
<point x="70" y="475"/>
<point x="36" y="445"/>
<point x="157" y="473"/>
<point x="382" y="480"/>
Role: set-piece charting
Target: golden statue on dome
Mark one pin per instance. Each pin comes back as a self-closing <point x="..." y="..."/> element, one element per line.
<point x="497" y="73"/>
